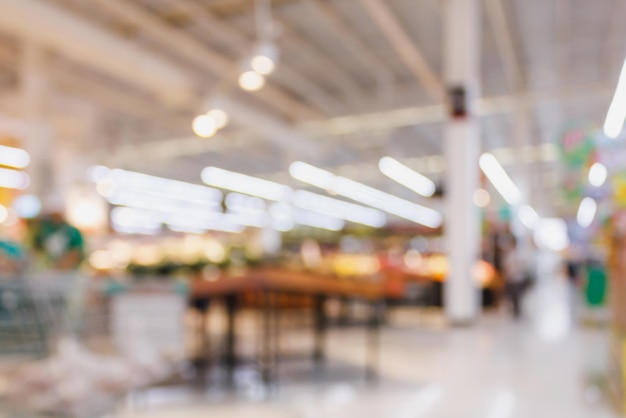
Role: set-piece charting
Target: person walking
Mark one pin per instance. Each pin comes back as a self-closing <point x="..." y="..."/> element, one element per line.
<point x="515" y="276"/>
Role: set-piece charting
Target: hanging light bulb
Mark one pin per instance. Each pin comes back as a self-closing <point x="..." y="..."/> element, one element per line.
<point x="219" y="116"/>
<point x="251" y="81"/>
<point x="265" y="58"/>
<point x="262" y="64"/>
<point x="204" y="126"/>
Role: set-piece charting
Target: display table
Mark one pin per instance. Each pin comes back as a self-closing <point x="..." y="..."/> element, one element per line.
<point x="267" y="284"/>
<point x="284" y="280"/>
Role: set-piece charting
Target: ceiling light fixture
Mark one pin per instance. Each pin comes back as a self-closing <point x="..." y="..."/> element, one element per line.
<point x="251" y="81"/>
<point x="283" y="216"/>
<point x="317" y="220"/>
<point x="265" y="58"/>
<point x="551" y="234"/>
<point x="338" y="209"/>
<point x="12" y="179"/>
<point x="528" y="216"/>
<point x="162" y="187"/>
<point x="14" y="157"/>
<point x="597" y="175"/>
<point x="500" y="179"/>
<point x="616" y="115"/>
<point x="149" y="221"/>
<point x="204" y="126"/>
<point x="220" y="117"/>
<point x="365" y="194"/>
<point x="4" y="214"/>
<point x="407" y="177"/>
<point x="245" y="184"/>
<point x="586" y="212"/>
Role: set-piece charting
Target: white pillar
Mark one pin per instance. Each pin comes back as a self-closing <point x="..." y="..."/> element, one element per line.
<point x="34" y="90"/>
<point x="461" y="150"/>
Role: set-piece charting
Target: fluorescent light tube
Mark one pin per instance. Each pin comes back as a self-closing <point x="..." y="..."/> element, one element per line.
<point x="365" y="194"/>
<point x="616" y="115"/>
<point x="407" y="177"/>
<point x="245" y="184"/>
<point x="500" y="179"/>
<point x="586" y="212"/>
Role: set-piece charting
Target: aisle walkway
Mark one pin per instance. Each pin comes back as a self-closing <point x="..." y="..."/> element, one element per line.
<point x="541" y="367"/>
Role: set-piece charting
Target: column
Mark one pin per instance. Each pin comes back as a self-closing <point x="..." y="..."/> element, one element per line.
<point x="34" y="96"/>
<point x="461" y="150"/>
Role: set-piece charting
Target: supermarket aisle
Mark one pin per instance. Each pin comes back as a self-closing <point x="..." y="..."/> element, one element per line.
<point x="541" y="367"/>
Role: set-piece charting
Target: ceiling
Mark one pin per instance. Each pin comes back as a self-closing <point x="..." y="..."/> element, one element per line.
<point x="124" y="80"/>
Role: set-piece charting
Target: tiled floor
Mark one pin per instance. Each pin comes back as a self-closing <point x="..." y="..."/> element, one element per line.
<point x="543" y="366"/>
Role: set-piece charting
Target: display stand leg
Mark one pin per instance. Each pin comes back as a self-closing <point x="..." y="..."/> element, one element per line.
<point x="231" y="354"/>
<point x="320" y="330"/>
<point x="276" y="333"/>
<point x="373" y="342"/>
<point x="267" y="355"/>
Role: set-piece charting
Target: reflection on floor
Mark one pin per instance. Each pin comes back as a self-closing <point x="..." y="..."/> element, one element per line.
<point x="543" y="366"/>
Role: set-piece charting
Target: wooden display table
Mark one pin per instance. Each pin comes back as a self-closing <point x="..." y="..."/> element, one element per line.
<point x="268" y="284"/>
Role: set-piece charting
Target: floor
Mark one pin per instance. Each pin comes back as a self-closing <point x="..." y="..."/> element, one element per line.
<point x="545" y="365"/>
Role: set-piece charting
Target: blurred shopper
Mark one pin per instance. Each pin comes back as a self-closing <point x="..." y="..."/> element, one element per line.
<point x="573" y="265"/>
<point x="500" y="239"/>
<point x="60" y="245"/>
<point x="573" y="270"/>
<point x="516" y="276"/>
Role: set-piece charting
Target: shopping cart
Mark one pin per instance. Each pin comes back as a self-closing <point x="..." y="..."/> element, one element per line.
<point x="42" y="318"/>
<point x="24" y="328"/>
<point x="58" y="355"/>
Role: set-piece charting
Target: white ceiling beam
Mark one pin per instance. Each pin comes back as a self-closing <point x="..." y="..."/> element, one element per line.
<point x="507" y="49"/>
<point x="409" y="116"/>
<point x="237" y="40"/>
<point x="352" y="43"/>
<point x="240" y="114"/>
<point x="115" y="99"/>
<point x="434" y="165"/>
<point x="154" y="151"/>
<point x="613" y="57"/>
<point x="308" y="90"/>
<point x="376" y="122"/>
<point x="201" y="17"/>
<point x="108" y="97"/>
<point x="408" y="52"/>
<point x="195" y="51"/>
<point x="286" y="137"/>
<point x="381" y="122"/>
<point x="412" y="116"/>
<point x="46" y="25"/>
<point x="341" y="79"/>
<point x="563" y="29"/>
